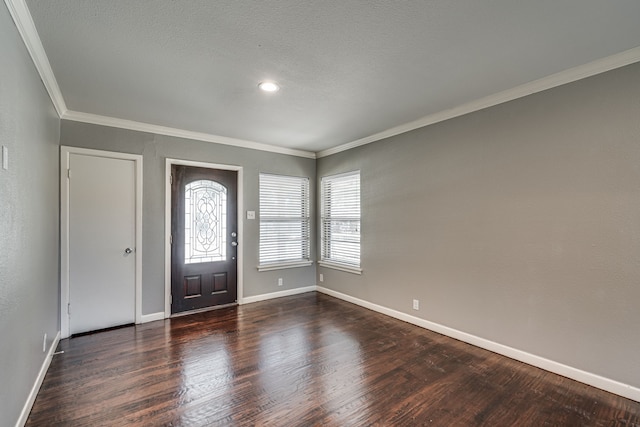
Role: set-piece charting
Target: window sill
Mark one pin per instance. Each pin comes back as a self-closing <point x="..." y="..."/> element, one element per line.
<point x="341" y="267"/>
<point x="281" y="266"/>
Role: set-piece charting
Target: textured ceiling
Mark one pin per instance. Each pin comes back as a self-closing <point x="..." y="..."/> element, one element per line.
<point x="348" y="69"/>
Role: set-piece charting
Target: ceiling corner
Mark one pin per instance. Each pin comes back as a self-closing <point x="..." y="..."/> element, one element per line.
<point x="24" y="22"/>
<point x="580" y="72"/>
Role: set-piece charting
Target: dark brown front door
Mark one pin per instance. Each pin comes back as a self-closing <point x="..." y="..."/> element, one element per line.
<point x="204" y="237"/>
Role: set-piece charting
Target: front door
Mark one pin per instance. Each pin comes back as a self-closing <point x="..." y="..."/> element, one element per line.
<point x="203" y="237"/>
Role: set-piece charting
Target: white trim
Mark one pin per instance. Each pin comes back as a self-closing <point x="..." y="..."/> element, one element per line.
<point x="180" y="133"/>
<point x="340" y="267"/>
<point x="563" y="77"/>
<point x="152" y="317"/>
<point x="138" y="253"/>
<point x="26" y="27"/>
<point x="65" y="153"/>
<point x="64" y="242"/>
<point x="26" y="409"/>
<point x="279" y="294"/>
<point x="167" y="225"/>
<point x="589" y="378"/>
<point x="283" y="265"/>
<point x="24" y="22"/>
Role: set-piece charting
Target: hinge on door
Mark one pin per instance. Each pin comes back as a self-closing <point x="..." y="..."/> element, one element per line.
<point x="69" y="309"/>
<point x="68" y="173"/>
<point x="171" y="239"/>
<point x="171" y="179"/>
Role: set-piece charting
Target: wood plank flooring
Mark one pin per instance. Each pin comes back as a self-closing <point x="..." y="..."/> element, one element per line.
<point x="305" y="360"/>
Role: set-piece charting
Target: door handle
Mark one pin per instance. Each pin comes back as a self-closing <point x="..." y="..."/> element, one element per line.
<point x="128" y="251"/>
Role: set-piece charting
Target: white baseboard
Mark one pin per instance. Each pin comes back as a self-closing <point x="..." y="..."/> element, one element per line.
<point x="594" y="380"/>
<point x="279" y="294"/>
<point x="26" y="409"/>
<point x="146" y="318"/>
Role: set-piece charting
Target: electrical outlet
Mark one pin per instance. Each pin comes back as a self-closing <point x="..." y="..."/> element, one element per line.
<point x="44" y="343"/>
<point x="321" y="277"/>
<point x="416" y="304"/>
<point x="280" y="282"/>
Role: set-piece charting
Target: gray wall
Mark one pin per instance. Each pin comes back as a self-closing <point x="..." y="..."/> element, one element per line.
<point x="519" y="224"/>
<point x="155" y="150"/>
<point x="29" y="236"/>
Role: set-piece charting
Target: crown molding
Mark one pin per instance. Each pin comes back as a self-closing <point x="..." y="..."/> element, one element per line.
<point x="96" y="119"/>
<point x="27" y="29"/>
<point x="563" y="77"/>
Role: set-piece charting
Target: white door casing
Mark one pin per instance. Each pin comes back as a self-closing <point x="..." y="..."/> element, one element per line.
<point x="101" y="216"/>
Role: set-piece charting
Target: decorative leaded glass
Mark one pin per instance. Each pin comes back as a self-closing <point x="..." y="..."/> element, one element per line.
<point x="205" y="222"/>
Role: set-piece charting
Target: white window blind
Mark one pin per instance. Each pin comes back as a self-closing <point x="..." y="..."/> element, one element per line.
<point x="284" y="220"/>
<point x="340" y="218"/>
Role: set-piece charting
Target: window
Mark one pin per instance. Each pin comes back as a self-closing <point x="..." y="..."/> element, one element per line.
<point x="205" y="222"/>
<point x="284" y="222"/>
<point x="340" y="221"/>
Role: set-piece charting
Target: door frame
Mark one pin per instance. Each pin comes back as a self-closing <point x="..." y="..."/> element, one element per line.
<point x="167" y="225"/>
<point x="65" y="155"/>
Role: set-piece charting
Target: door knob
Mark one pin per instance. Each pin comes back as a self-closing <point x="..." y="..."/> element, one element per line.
<point x="234" y="243"/>
<point x="128" y="251"/>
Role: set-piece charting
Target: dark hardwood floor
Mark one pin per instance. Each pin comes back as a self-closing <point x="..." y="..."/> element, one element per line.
<point x="302" y="361"/>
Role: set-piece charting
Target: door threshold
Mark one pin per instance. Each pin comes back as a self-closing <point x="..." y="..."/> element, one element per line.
<point x="203" y="310"/>
<point x="97" y="331"/>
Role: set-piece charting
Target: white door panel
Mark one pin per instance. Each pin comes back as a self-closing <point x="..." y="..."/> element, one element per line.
<point x="102" y="217"/>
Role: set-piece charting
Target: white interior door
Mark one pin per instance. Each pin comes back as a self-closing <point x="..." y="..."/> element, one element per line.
<point x="102" y="236"/>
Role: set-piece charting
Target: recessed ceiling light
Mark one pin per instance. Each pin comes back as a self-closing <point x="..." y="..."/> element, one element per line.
<point x="268" y="86"/>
